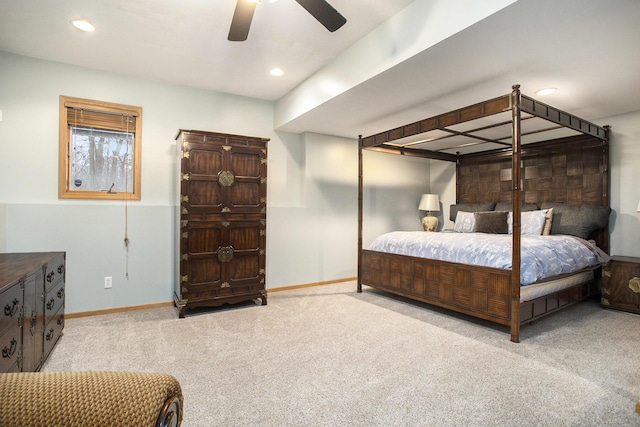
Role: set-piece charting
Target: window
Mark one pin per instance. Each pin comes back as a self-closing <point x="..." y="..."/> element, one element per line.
<point x="100" y="146"/>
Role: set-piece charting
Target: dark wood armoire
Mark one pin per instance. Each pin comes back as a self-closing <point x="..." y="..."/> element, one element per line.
<point x="221" y="219"/>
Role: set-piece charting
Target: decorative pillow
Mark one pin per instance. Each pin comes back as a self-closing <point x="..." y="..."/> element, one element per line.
<point x="494" y="222"/>
<point x="469" y="207"/>
<point x="531" y="222"/>
<point x="548" y="220"/>
<point x="465" y="222"/>
<point x="577" y="220"/>
<point x="504" y="206"/>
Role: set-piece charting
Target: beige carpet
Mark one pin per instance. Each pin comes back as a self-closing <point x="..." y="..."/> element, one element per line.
<point x="328" y="356"/>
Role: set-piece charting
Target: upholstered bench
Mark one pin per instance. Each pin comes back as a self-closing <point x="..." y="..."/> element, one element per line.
<point x="90" y="399"/>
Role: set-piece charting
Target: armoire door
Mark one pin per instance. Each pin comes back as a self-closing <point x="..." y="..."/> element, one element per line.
<point x="222" y="258"/>
<point x="222" y="178"/>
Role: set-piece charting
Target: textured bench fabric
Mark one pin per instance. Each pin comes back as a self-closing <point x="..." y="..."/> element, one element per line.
<point x="87" y="399"/>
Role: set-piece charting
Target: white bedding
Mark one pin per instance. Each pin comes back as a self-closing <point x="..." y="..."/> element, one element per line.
<point x="542" y="257"/>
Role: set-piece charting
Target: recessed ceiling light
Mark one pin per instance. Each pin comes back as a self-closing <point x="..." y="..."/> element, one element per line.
<point x="546" y="91"/>
<point x="83" y="25"/>
<point x="276" y="72"/>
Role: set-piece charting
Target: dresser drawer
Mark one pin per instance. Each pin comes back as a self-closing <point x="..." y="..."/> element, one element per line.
<point x="53" y="331"/>
<point x="55" y="272"/>
<point x="53" y="301"/>
<point x="10" y="347"/>
<point x="11" y="301"/>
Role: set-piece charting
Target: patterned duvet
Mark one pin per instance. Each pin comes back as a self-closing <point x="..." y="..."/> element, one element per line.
<point x="542" y="257"/>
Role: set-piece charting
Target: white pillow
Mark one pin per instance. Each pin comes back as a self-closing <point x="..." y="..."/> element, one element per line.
<point x="531" y="222"/>
<point x="465" y="222"/>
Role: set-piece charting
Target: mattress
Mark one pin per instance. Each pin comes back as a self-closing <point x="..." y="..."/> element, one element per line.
<point x="537" y="290"/>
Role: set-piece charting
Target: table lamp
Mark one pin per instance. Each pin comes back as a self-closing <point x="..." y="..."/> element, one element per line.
<point x="429" y="203"/>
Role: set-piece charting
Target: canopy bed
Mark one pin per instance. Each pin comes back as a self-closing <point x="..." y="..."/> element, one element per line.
<point x="518" y="162"/>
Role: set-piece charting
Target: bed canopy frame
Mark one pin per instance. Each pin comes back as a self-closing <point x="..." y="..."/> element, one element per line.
<point x="496" y="145"/>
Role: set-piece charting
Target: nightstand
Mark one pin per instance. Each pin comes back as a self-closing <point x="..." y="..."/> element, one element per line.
<point x="621" y="284"/>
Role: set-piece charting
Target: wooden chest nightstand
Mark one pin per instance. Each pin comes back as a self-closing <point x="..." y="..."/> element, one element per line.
<point x="621" y="284"/>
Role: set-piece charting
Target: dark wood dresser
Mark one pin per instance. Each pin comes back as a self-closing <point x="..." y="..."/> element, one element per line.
<point x="221" y="219"/>
<point x="32" y="304"/>
<point x="621" y="284"/>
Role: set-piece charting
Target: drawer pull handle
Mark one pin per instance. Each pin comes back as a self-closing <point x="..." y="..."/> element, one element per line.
<point x="50" y="334"/>
<point x="226" y="178"/>
<point x="225" y="254"/>
<point x="61" y="293"/>
<point x="61" y="269"/>
<point x="10" y="310"/>
<point x="634" y="285"/>
<point x="50" y="277"/>
<point x="51" y="304"/>
<point x="8" y="352"/>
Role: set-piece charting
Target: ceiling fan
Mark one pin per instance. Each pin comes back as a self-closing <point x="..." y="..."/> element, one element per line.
<point x="319" y="9"/>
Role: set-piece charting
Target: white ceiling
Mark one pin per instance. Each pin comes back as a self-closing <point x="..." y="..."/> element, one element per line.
<point x="185" y="41"/>
<point x="589" y="49"/>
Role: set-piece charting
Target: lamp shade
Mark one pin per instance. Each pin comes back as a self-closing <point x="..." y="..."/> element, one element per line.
<point x="429" y="202"/>
<point x="638" y="208"/>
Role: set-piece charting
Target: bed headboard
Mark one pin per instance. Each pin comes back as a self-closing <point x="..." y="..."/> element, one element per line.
<point x="572" y="171"/>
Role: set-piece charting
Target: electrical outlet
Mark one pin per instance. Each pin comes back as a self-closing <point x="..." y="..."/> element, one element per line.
<point x="107" y="282"/>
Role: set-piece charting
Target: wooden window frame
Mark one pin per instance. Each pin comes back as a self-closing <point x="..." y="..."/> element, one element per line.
<point x="68" y="104"/>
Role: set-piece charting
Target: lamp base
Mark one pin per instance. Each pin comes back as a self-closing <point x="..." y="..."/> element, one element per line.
<point x="430" y="223"/>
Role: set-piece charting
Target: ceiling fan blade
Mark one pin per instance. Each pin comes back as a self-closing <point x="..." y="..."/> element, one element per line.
<point x="241" y="21"/>
<point x="324" y="13"/>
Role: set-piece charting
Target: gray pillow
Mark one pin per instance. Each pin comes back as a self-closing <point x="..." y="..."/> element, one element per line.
<point x="494" y="222"/>
<point x="577" y="220"/>
<point x="527" y="207"/>
<point x="469" y="207"/>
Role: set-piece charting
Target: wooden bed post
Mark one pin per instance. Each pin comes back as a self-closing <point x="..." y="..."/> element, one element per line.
<point x="516" y="176"/>
<point x="360" y="189"/>
<point x="605" y="201"/>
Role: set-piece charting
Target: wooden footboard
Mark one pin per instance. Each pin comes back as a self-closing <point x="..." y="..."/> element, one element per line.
<point x="481" y="292"/>
<point x="547" y="304"/>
